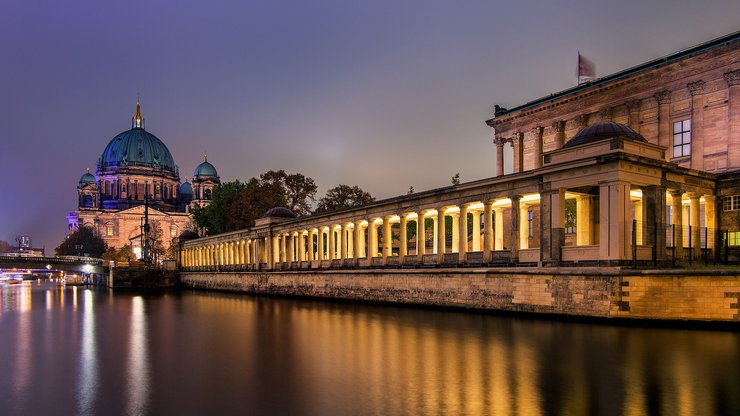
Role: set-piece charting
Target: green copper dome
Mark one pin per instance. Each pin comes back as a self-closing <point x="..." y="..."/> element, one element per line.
<point x="88" y="179"/>
<point x="186" y="189"/>
<point x="137" y="147"/>
<point x="205" y="170"/>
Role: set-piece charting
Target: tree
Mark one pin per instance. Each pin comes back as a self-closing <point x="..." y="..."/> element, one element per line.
<point x="83" y="242"/>
<point x="455" y="179"/>
<point x="299" y="190"/>
<point x="213" y="217"/>
<point x="341" y="197"/>
<point x="123" y="254"/>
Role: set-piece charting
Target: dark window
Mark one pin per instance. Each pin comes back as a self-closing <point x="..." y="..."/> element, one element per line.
<point x="682" y="138"/>
<point x="731" y="203"/>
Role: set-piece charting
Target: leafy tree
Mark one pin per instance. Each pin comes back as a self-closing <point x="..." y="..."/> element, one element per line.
<point x="213" y="217"/>
<point x="455" y="179"/>
<point x="252" y="202"/>
<point x="83" y="242"/>
<point x="341" y="197"/>
<point x="123" y="254"/>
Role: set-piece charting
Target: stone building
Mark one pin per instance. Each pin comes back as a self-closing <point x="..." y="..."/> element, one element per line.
<point x="637" y="167"/>
<point x="136" y="169"/>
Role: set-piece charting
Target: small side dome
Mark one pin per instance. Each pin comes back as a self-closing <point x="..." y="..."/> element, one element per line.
<point x="601" y="131"/>
<point x="205" y="170"/>
<point x="87" y="179"/>
<point x="188" y="235"/>
<point x="281" y="212"/>
<point x="186" y="189"/>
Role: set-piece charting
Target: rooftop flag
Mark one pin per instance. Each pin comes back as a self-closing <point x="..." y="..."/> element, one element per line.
<point x="586" y="69"/>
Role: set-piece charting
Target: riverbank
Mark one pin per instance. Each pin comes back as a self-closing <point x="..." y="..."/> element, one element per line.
<point x="693" y="295"/>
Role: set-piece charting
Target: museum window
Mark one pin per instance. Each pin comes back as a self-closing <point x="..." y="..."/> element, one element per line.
<point x="733" y="238"/>
<point x="682" y="138"/>
<point x="529" y="223"/>
<point x="731" y="203"/>
<point x="109" y="231"/>
<point x="173" y="231"/>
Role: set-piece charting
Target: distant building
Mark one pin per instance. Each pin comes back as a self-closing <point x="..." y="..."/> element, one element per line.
<point x="133" y="166"/>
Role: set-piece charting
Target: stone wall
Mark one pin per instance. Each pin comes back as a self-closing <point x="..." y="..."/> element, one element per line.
<point x="606" y="293"/>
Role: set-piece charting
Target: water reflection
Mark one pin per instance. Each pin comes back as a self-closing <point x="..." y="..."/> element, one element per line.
<point x="138" y="366"/>
<point x="206" y="353"/>
<point x="88" y="384"/>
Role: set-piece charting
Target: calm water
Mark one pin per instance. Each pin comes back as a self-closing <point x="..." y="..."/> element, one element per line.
<point x="72" y="351"/>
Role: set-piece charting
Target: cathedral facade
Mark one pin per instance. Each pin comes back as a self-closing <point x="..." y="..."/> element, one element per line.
<point x="136" y="173"/>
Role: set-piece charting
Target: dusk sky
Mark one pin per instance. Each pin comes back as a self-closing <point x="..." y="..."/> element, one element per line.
<point x="380" y="94"/>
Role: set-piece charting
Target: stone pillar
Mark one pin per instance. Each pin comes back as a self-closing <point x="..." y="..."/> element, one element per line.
<point x="654" y="201"/>
<point x="518" y="142"/>
<point x="616" y="221"/>
<point x="462" y="232"/>
<point x="523" y="226"/>
<point x="420" y="237"/>
<point x="559" y="128"/>
<point x="664" y="122"/>
<point x="499" y="156"/>
<point x="677" y="221"/>
<point x="488" y="231"/>
<point x="733" y="119"/>
<point x="710" y="218"/>
<point x="476" y="231"/>
<point x="455" y="248"/>
<point x="349" y="238"/>
<point x="343" y="243"/>
<point x="694" y="222"/>
<point x="696" y="89"/>
<point x="499" y="232"/>
<point x="537" y="133"/>
<point x="584" y="221"/>
<point x="440" y="235"/>
<point x="363" y="243"/>
<point x="301" y="246"/>
<point x="373" y="238"/>
<point x="357" y="244"/>
<point x="284" y="248"/>
<point x="435" y="232"/>
<point x="387" y="239"/>
<point x="552" y="226"/>
<point x="320" y="243"/>
<point x="514" y="232"/>
<point x="332" y="243"/>
<point x="403" y="242"/>
<point x="633" y="114"/>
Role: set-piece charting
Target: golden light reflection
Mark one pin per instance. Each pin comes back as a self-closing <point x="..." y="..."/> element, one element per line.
<point x="138" y="360"/>
<point x="88" y="382"/>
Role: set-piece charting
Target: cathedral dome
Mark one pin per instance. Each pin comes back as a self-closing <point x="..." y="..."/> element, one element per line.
<point x="205" y="170"/>
<point x="601" y="131"/>
<point x="87" y="179"/>
<point x="186" y="189"/>
<point x="137" y="147"/>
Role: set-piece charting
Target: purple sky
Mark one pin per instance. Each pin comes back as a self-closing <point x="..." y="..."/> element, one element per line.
<point x="381" y="94"/>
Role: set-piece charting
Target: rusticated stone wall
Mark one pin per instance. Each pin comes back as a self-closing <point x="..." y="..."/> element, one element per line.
<point x="606" y="293"/>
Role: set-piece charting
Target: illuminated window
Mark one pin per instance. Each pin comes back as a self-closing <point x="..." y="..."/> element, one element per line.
<point x="731" y="203"/>
<point x="173" y="231"/>
<point x="682" y="138"/>
<point x="733" y="238"/>
<point x="109" y="230"/>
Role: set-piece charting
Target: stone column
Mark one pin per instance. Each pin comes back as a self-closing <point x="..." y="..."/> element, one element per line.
<point x="523" y="226"/>
<point x="476" y="231"/>
<point x="537" y="137"/>
<point x="655" y="208"/>
<point x="349" y="238"/>
<point x="462" y="233"/>
<point x="514" y="227"/>
<point x="435" y="233"/>
<point x="696" y="89"/>
<point x="284" y="248"/>
<point x="372" y="238"/>
<point x="694" y="222"/>
<point x="664" y="122"/>
<point x="420" y="237"/>
<point x="387" y="239"/>
<point x="487" y="231"/>
<point x="633" y="114"/>
<point x="499" y="156"/>
<point x="403" y="242"/>
<point x="301" y="246"/>
<point x="559" y="128"/>
<point x="583" y="220"/>
<point x="499" y="233"/>
<point x="518" y="142"/>
<point x="343" y="243"/>
<point x="332" y="243"/>
<point x="357" y="249"/>
<point x="320" y="243"/>
<point x="616" y="221"/>
<point x="440" y="235"/>
<point x="552" y="226"/>
<point x="455" y="248"/>
<point x="733" y="119"/>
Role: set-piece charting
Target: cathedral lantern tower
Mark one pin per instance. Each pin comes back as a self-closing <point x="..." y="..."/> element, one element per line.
<point x="205" y="178"/>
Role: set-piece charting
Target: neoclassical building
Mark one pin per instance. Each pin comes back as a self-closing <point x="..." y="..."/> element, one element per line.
<point x="137" y="168"/>
<point x="638" y="167"/>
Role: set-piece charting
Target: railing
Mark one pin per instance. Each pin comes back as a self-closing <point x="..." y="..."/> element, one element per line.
<point x="52" y="260"/>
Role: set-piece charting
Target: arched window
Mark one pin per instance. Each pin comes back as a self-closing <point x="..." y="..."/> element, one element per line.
<point x="207" y="194"/>
<point x="109" y="229"/>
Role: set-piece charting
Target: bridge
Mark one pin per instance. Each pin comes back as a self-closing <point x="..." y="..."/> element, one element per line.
<point x="27" y="266"/>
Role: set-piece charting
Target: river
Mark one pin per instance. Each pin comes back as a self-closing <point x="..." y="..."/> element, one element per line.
<point x="71" y="350"/>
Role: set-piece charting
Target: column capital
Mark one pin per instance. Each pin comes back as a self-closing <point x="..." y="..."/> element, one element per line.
<point x="515" y="197"/>
<point x="500" y="141"/>
<point x="732" y="78"/>
<point x="663" y="97"/>
<point x="693" y="195"/>
<point x="581" y="120"/>
<point x="538" y="130"/>
<point x="558" y="126"/>
<point x="676" y="193"/>
<point x="696" y="87"/>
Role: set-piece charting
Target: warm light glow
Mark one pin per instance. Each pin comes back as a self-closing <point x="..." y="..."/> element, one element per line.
<point x="500" y="203"/>
<point x="530" y="198"/>
<point x="636" y="193"/>
<point x="476" y="206"/>
<point x="395" y="218"/>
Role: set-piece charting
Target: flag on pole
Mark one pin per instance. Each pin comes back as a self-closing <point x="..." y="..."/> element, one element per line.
<point x="586" y="69"/>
